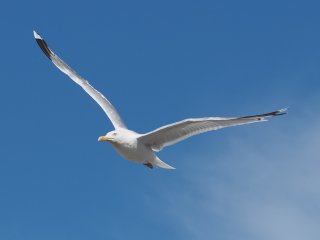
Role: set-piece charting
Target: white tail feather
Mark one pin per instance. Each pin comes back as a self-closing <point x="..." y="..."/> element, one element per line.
<point x="162" y="164"/>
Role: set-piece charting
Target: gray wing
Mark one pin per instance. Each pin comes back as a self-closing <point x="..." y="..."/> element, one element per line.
<point x="176" y="132"/>
<point x="97" y="96"/>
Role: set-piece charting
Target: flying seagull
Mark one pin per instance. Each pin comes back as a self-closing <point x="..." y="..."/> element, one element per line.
<point x="142" y="148"/>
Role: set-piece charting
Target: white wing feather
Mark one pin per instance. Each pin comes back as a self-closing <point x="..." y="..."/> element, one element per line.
<point x="97" y="96"/>
<point x="176" y="132"/>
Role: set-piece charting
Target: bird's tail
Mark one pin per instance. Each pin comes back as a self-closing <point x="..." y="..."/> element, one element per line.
<point x="162" y="164"/>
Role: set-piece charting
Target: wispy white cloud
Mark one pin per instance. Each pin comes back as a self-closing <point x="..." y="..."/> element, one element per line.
<point x="266" y="189"/>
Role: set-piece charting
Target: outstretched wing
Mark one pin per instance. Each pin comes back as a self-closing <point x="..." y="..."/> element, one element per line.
<point x="97" y="96"/>
<point x="176" y="132"/>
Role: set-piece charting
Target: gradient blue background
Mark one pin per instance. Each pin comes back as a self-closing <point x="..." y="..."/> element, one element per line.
<point x="160" y="62"/>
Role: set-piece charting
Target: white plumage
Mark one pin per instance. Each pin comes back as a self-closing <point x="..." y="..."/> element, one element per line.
<point x="141" y="148"/>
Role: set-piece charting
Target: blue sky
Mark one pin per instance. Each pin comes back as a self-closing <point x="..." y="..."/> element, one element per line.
<point x="160" y="62"/>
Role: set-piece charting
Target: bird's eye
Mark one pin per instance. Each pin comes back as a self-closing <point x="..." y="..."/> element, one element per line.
<point x="114" y="134"/>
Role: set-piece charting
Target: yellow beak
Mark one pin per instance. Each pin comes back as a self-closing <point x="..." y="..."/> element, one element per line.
<point x="103" y="138"/>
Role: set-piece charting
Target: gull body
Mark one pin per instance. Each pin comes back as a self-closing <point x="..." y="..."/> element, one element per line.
<point x="127" y="145"/>
<point x="142" y="148"/>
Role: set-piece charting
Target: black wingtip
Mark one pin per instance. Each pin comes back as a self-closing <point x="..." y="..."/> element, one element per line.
<point x="270" y="114"/>
<point x="280" y="112"/>
<point x="43" y="45"/>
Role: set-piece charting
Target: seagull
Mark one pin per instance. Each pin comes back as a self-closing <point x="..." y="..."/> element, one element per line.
<point x="142" y="148"/>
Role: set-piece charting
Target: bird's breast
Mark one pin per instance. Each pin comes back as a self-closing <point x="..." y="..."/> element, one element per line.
<point x="136" y="152"/>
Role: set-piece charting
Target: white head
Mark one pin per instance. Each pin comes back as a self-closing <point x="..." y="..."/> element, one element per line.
<point x="120" y="136"/>
<point x="113" y="136"/>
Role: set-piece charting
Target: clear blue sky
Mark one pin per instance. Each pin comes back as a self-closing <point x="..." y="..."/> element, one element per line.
<point x="160" y="62"/>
